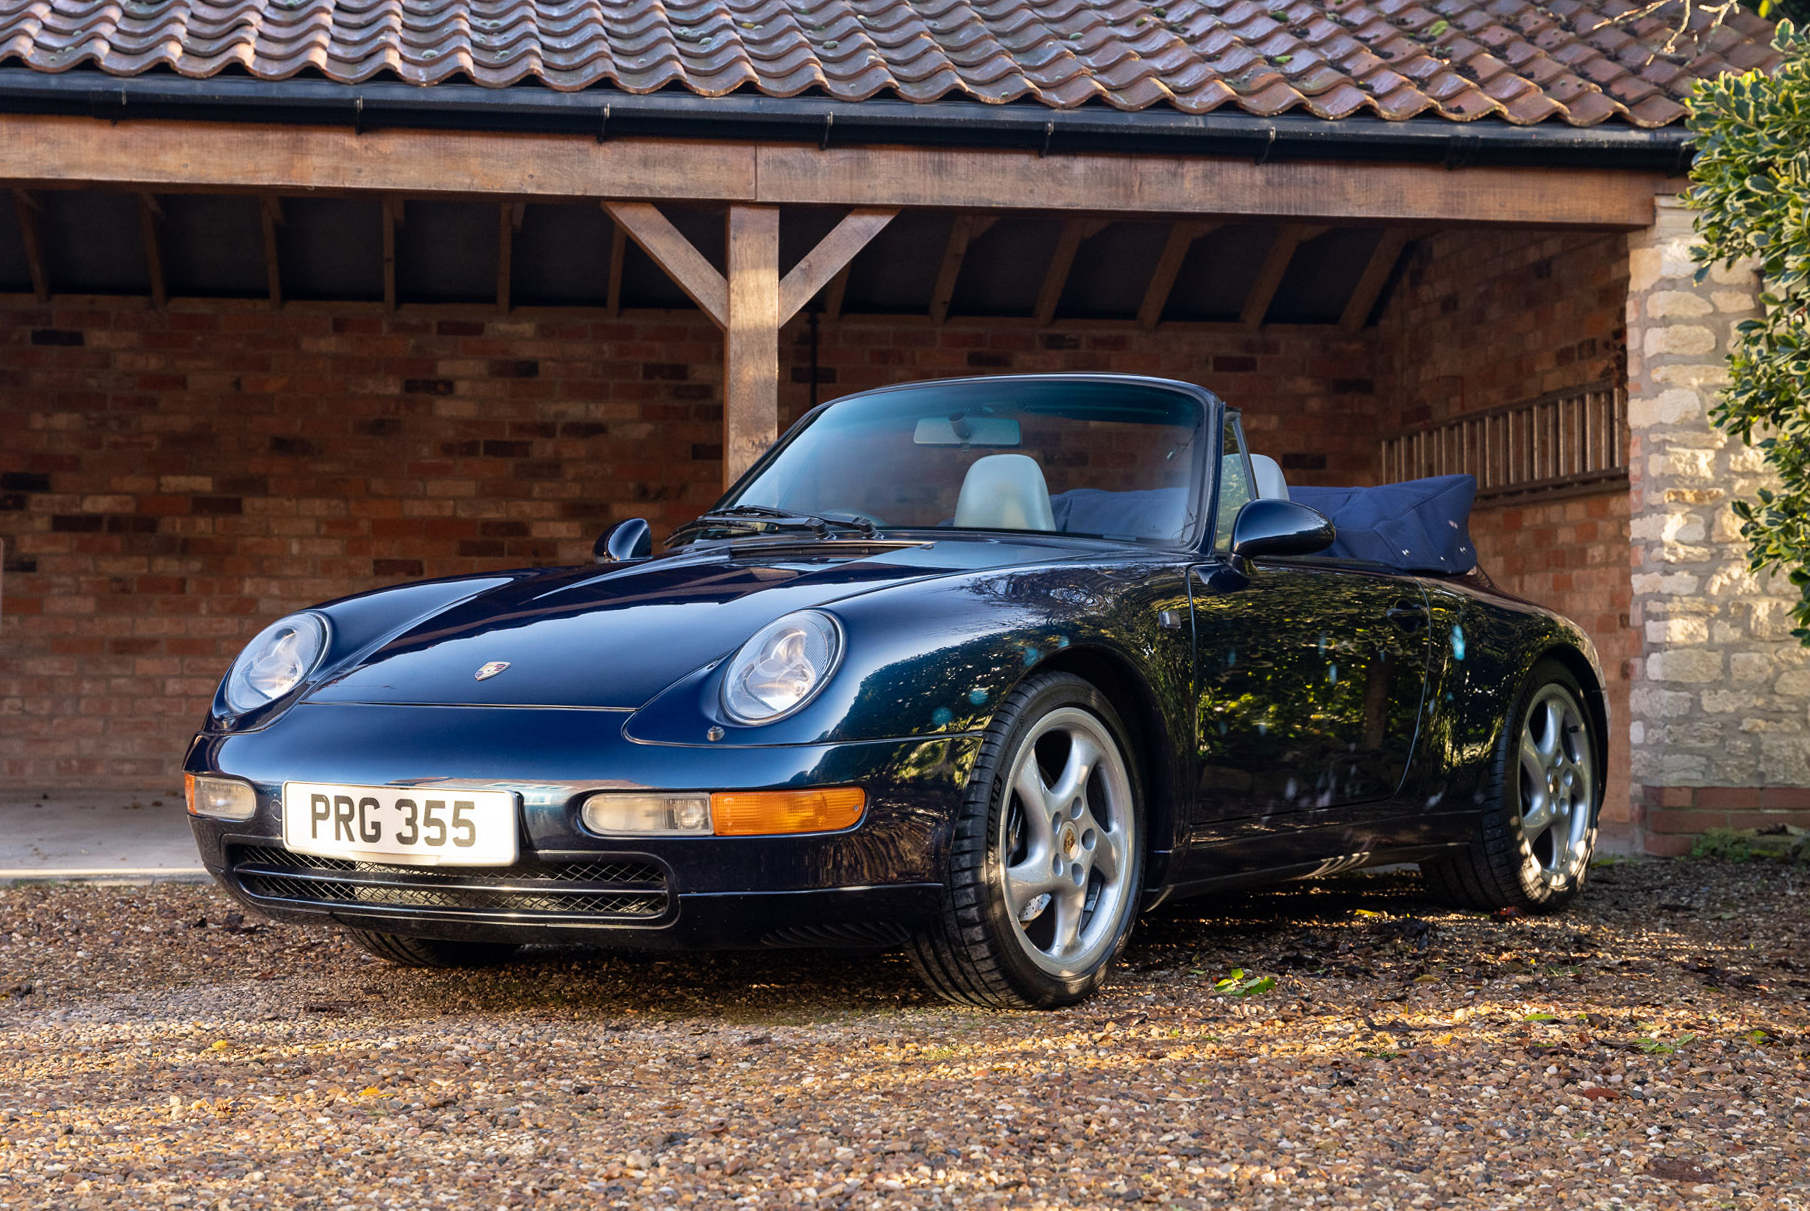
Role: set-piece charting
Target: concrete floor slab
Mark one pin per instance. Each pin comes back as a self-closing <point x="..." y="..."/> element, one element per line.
<point x="105" y="836"/>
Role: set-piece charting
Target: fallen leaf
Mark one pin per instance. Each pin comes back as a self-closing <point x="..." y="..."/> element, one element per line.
<point x="1597" y="1093"/>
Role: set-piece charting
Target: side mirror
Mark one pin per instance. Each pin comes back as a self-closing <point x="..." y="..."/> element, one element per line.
<point x="627" y="539"/>
<point x="1279" y="527"/>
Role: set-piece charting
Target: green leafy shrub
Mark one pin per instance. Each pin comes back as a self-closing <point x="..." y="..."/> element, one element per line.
<point x="1751" y="188"/>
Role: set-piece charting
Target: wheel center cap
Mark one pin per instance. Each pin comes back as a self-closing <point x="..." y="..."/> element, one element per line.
<point x="1070" y="843"/>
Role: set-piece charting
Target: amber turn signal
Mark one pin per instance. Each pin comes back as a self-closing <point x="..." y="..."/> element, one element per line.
<point x="756" y="813"/>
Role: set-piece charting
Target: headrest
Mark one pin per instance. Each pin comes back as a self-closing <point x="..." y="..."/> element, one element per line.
<point x="1005" y="492"/>
<point x="1270" y="484"/>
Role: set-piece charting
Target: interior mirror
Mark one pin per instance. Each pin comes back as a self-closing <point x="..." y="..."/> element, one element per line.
<point x="1279" y="527"/>
<point x="627" y="539"/>
<point x="965" y="431"/>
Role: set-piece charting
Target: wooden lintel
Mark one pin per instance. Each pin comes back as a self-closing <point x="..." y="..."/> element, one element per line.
<point x="392" y="219"/>
<point x="831" y="256"/>
<point x="1269" y="276"/>
<point x="672" y="252"/>
<point x="163" y="155"/>
<point x="1376" y="276"/>
<point x="751" y="338"/>
<point x="26" y="208"/>
<point x="149" y="215"/>
<point x="834" y="295"/>
<point x="1162" y="281"/>
<point x="963" y="232"/>
<point x="272" y="213"/>
<point x="613" y="292"/>
<point x="1075" y="232"/>
<point x="505" y="248"/>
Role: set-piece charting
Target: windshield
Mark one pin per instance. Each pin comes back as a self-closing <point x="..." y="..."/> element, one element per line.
<point x="1104" y="459"/>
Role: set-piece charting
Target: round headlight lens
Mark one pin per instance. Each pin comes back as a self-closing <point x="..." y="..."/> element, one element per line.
<point x="276" y="661"/>
<point x="782" y="667"/>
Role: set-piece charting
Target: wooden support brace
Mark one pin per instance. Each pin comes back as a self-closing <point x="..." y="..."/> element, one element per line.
<point x="1269" y="277"/>
<point x="1175" y="250"/>
<point x="1075" y="232"/>
<point x="1376" y="276"/>
<point x="831" y="256"/>
<point x="27" y="209"/>
<point x="150" y="214"/>
<point x="393" y="215"/>
<point x="673" y="253"/>
<point x="835" y="294"/>
<point x="966" y="230"/>
<point x="273" y="267"/>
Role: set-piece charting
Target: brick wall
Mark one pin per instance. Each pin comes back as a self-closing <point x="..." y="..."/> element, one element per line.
<point x="172" y="480"/>
<point x="1485" y="318"/>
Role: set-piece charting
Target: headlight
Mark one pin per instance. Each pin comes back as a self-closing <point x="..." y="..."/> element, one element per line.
<point x="276" y="661"/>
<point x="782" y="667"/>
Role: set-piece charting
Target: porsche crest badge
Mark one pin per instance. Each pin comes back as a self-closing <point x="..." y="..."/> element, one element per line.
<point x="486" y="672"/>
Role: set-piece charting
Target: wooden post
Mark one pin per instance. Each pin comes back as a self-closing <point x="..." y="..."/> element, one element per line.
<point x="749" y="303"/>
<point x="751" y="339"/>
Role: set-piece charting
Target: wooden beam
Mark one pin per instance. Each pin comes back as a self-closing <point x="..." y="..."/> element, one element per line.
<point x="1075" y="232"/>
<point x="149" y="216"/>
<point x="835" y="294"/>
<point x="505" y="247"/>
<point x="1175" y="250"/>
<point x="273" y="266"/>
<point x="831" y="256"/>
<point x="1269" y="277"/>
<point x="965" y="230"/>
<point x="165" y="154"/>
<point x="672" y="252"/>
<point x="751" y="339"/>
<point x="393" y="215"/>
<point x="26" y="208"/>
<point x="1376" y="276"/>
<point x="618" y="247"/>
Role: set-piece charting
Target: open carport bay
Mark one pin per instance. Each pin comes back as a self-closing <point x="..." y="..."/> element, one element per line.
<point x="1650" y="1048"/>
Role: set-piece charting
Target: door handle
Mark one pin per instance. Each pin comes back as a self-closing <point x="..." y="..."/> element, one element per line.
<point x="1408" y="616"/>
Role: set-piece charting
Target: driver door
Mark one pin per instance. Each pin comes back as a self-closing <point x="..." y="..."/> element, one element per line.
<point x="1309" y="674"/>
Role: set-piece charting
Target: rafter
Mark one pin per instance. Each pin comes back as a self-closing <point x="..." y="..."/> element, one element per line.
<point x="1376" y="276"/>
<point x="272" y="215"/>
<point x="393" y="214"/>
<point x="1075" y="232"/>
<point x="1162" y="281"/>
<point x="27" y="208"/>
<point x="150" y="216"/>
<point x="618" y="248"/>
<point x="966" y="229"/>
<point x="1269" y="277"/>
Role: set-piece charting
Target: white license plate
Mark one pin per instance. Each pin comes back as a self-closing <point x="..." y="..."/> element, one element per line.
<point x="411" y="825"/>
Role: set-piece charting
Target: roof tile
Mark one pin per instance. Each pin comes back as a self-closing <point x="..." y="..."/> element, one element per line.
<point x="1580" y="62"/>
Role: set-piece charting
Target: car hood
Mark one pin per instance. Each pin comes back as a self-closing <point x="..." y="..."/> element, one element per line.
<point x="616" y="637"/>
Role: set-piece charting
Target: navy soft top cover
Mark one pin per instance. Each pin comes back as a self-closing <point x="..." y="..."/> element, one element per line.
<point x="1422" y="525"/>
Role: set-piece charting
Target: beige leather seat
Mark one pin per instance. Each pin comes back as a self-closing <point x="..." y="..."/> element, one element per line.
<point x="1005" y="492"/>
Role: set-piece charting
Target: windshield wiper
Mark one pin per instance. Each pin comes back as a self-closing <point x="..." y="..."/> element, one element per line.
<point x="761" y="519"/>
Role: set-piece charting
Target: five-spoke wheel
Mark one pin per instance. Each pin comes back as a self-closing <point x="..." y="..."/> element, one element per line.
<point x="1046" y="863"/>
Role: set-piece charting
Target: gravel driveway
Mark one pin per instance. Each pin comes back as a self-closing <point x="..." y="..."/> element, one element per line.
<point x="1650" y="1048"/>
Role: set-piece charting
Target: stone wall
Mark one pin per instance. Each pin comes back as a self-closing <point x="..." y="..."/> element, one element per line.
<point x="1719" y="722"/>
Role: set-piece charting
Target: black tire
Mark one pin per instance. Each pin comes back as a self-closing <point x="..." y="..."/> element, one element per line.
<point x="980" y="951"/>
<point x="1501" y="867"/>
<point x="430" y="952"/>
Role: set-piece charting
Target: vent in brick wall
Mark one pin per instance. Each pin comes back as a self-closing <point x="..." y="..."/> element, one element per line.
<point x="1563" y="444"/>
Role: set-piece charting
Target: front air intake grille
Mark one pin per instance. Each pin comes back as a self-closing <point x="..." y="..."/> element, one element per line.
<point x="613" y="888"/>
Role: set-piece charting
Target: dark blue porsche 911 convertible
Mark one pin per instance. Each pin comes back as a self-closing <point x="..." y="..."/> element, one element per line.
<point x="977" y="668"/>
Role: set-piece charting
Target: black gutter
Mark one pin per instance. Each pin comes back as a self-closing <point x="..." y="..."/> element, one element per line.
<point x="606" y="113"/>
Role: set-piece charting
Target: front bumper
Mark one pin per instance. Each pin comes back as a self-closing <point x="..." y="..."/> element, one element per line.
<point x="873" y="884"/>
